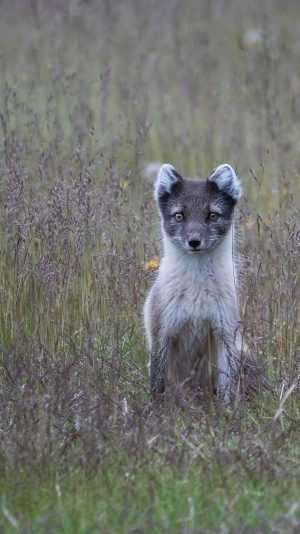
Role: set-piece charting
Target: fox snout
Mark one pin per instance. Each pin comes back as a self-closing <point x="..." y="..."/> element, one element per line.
<point x="194" y="238"/>
<point x="194" y="244"/>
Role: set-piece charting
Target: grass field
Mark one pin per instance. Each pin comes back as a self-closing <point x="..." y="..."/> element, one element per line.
<point x="90" y="91"/>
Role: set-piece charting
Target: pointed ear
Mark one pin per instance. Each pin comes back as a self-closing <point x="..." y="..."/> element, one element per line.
<point x="226" y="180"/>
<point x="167" y="181"/>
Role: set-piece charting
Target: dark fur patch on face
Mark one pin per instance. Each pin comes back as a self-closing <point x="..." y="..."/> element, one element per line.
<point x="196" y="201"/>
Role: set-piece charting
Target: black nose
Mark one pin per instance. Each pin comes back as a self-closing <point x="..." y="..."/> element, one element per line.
<point x="194" y="243"/>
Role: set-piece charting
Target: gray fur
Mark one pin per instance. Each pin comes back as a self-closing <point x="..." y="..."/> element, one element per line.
<point x="191" y="313"/>
<point x="167" y="179"/>
<point x="225" y="178"/>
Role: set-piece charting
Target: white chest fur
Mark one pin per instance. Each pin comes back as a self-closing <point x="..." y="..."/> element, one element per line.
<point x="195" y="289"/>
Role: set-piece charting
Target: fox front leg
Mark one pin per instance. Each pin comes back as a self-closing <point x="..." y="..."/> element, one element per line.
<point x="227" y="368"/>
<point x="158" y="368"/>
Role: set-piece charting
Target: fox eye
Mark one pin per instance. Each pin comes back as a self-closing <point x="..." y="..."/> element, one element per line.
<point x="213" y="216"/>
<point x="179" y="217"/>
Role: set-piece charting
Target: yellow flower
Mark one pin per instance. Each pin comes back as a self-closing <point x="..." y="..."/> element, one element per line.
<point x="250" y="223"/>
<point x="124" y="184"/>
<point x="151" y="264"/>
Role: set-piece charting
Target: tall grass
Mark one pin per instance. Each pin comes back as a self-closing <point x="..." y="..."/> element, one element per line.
<point x="89" y="92"/>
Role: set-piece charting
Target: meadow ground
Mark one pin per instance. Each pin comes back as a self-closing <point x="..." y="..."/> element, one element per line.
<point x="89" y="92"/>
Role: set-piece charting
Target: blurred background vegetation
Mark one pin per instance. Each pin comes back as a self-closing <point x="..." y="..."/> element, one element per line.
<point x="90" y="92"/>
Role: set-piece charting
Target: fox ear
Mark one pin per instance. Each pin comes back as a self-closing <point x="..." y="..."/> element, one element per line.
<point x="225" y="178"/>
<point x="167" y="181"/>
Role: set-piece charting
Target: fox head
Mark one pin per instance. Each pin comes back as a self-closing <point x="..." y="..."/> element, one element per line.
<point x="196" y="216"/>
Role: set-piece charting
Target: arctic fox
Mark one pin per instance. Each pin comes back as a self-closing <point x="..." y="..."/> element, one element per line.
<point x="191" y="313"/>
